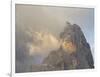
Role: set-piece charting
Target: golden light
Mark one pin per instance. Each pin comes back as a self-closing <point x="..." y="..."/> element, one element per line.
<point x="69" y="46"/>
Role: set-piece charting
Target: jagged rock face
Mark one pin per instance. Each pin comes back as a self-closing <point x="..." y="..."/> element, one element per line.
<point x="74" y="53"/>
<point x="74" y="34"/>
<point x="60" y="60"/>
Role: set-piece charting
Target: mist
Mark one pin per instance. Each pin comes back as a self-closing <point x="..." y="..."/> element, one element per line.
<point x="38" y="28"/>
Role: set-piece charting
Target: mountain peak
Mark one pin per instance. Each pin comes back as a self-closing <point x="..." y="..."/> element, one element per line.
<point x="74" y="52"/>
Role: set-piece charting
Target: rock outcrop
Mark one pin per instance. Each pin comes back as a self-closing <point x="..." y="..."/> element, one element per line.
<point x="74" y="52"/>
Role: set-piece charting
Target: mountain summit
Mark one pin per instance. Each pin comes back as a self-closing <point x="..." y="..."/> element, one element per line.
<point x="74" y="52"/>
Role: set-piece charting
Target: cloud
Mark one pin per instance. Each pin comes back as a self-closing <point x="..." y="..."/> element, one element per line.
<point x="43" y="43"/>
<point x="33" y="46"/>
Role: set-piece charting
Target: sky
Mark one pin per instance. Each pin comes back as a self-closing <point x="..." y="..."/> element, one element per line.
<point x="35" y="25"/>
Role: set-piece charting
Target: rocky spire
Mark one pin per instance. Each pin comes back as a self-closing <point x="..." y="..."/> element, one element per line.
<point x="74" y="52"/>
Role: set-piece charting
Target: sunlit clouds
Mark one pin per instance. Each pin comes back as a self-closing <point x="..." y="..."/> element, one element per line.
<point x="42" y="43"/>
